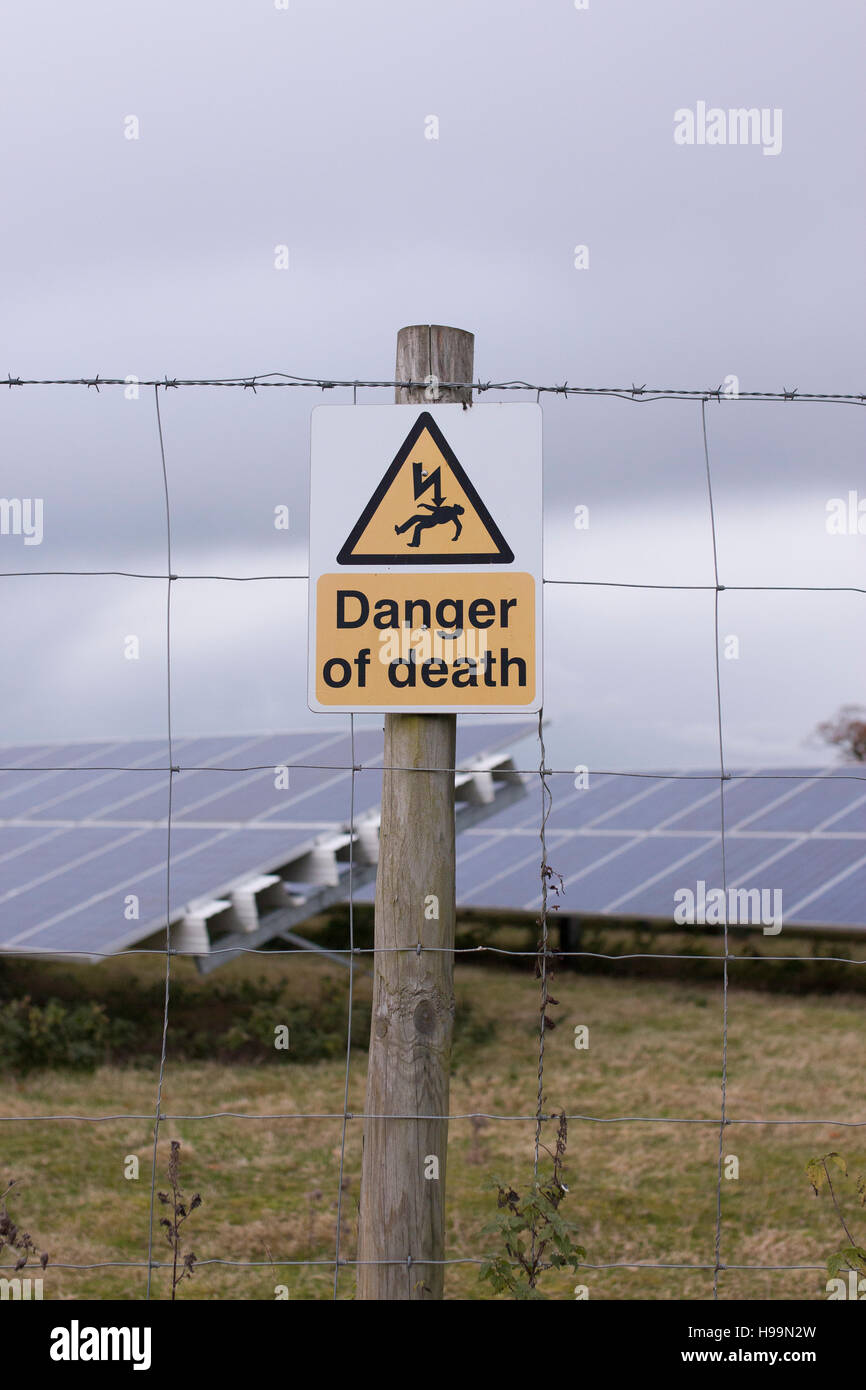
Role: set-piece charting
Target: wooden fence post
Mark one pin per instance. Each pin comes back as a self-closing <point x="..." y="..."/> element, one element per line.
<point x="402" y="1204"/>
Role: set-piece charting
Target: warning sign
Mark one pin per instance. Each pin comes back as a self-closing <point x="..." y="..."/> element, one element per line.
<point x="425" y="510"/>
<point x="388" y="637"/>
<point x="425" y="558"/>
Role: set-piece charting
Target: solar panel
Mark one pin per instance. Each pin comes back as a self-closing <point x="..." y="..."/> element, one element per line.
<point x="622" y="865"/>
<point x="834" y="903"/>
<point x="78" y="846"/>
<point x="259" y="824"/>
<point x="625" y="845"/>
<point x="823" y="803"/>
<point x="651" y="803"/>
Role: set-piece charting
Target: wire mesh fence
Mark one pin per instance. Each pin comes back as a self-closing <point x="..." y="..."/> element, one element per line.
<point x="545" y="956"/>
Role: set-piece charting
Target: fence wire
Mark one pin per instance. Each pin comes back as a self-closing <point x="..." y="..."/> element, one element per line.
<point x="286" y="379"/>
<point x="171" y="774"/>
<point x="543" y="955"/>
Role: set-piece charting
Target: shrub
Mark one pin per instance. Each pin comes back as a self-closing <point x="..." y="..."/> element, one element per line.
<point x="317" y="1027"/>
<point x="55" y="1035"/>
<point x="235" y="1021"/>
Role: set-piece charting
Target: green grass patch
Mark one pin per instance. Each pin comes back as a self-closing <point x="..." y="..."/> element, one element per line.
<point x="639" y="1192"/>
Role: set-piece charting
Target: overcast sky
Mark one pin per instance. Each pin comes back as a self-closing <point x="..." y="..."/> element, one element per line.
<point x="306" y="127"/>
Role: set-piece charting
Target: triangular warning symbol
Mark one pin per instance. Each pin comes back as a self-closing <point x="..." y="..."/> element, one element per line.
<point x="425" y="511"/>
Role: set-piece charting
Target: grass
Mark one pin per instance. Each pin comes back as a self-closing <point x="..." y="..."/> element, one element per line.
<point x="639" y="1191"/>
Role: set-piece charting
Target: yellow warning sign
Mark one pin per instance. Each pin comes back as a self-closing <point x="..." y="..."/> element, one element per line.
<point x="425" y="590"/>
<point x="398" y="641"/>
<point x="425" y="511"/>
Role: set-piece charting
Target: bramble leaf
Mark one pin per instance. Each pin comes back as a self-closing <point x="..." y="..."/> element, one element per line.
<point x="856" y="1257"/>
<point x="816" y="1174"/>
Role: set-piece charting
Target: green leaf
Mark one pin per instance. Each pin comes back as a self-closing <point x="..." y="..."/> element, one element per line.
<point x="500" y="1187"/>
<point x="557" y="1224"/>
<point x="492" y="1227"/>
<point x="838" y="1161"/>
<point x="816" y="1174"/>
<point x="835" y="1263"/>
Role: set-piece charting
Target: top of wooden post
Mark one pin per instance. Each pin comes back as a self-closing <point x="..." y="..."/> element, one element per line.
<point x="431" y="353"/>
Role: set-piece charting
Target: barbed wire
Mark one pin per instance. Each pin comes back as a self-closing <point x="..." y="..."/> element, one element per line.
<point x="285" y="379"/>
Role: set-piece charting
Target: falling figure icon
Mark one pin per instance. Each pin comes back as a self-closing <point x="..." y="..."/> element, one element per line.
<point x="439" y="516"/>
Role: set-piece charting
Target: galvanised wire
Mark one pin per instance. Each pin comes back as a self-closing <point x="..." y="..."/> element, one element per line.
<point x="455" y="950"/>
<point x="346" y="1115"/>
<point x="640" y="394"/>
<point x="718" y="678"/>
<point x="465" y="1115"/>
<point x="171" y="773"/>
<point x="576" y="583"/>
<point x="454" y="1260"/>
<point x="396" y="767"/>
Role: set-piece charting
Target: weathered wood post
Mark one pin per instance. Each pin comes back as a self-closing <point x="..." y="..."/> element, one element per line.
<point x="402" y="1204"/>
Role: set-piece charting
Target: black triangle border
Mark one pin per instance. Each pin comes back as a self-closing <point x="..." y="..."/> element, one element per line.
<point x="425" y="421"/>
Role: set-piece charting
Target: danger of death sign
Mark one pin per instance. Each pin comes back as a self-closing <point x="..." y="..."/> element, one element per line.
<point x="425" y="558"/>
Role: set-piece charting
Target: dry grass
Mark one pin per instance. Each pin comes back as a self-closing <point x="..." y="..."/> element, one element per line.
<point x="640" y="1191"/>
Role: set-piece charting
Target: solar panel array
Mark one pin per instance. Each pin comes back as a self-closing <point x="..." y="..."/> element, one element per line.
<point x="76" y="845"/>
<point x="625" y="845"/>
